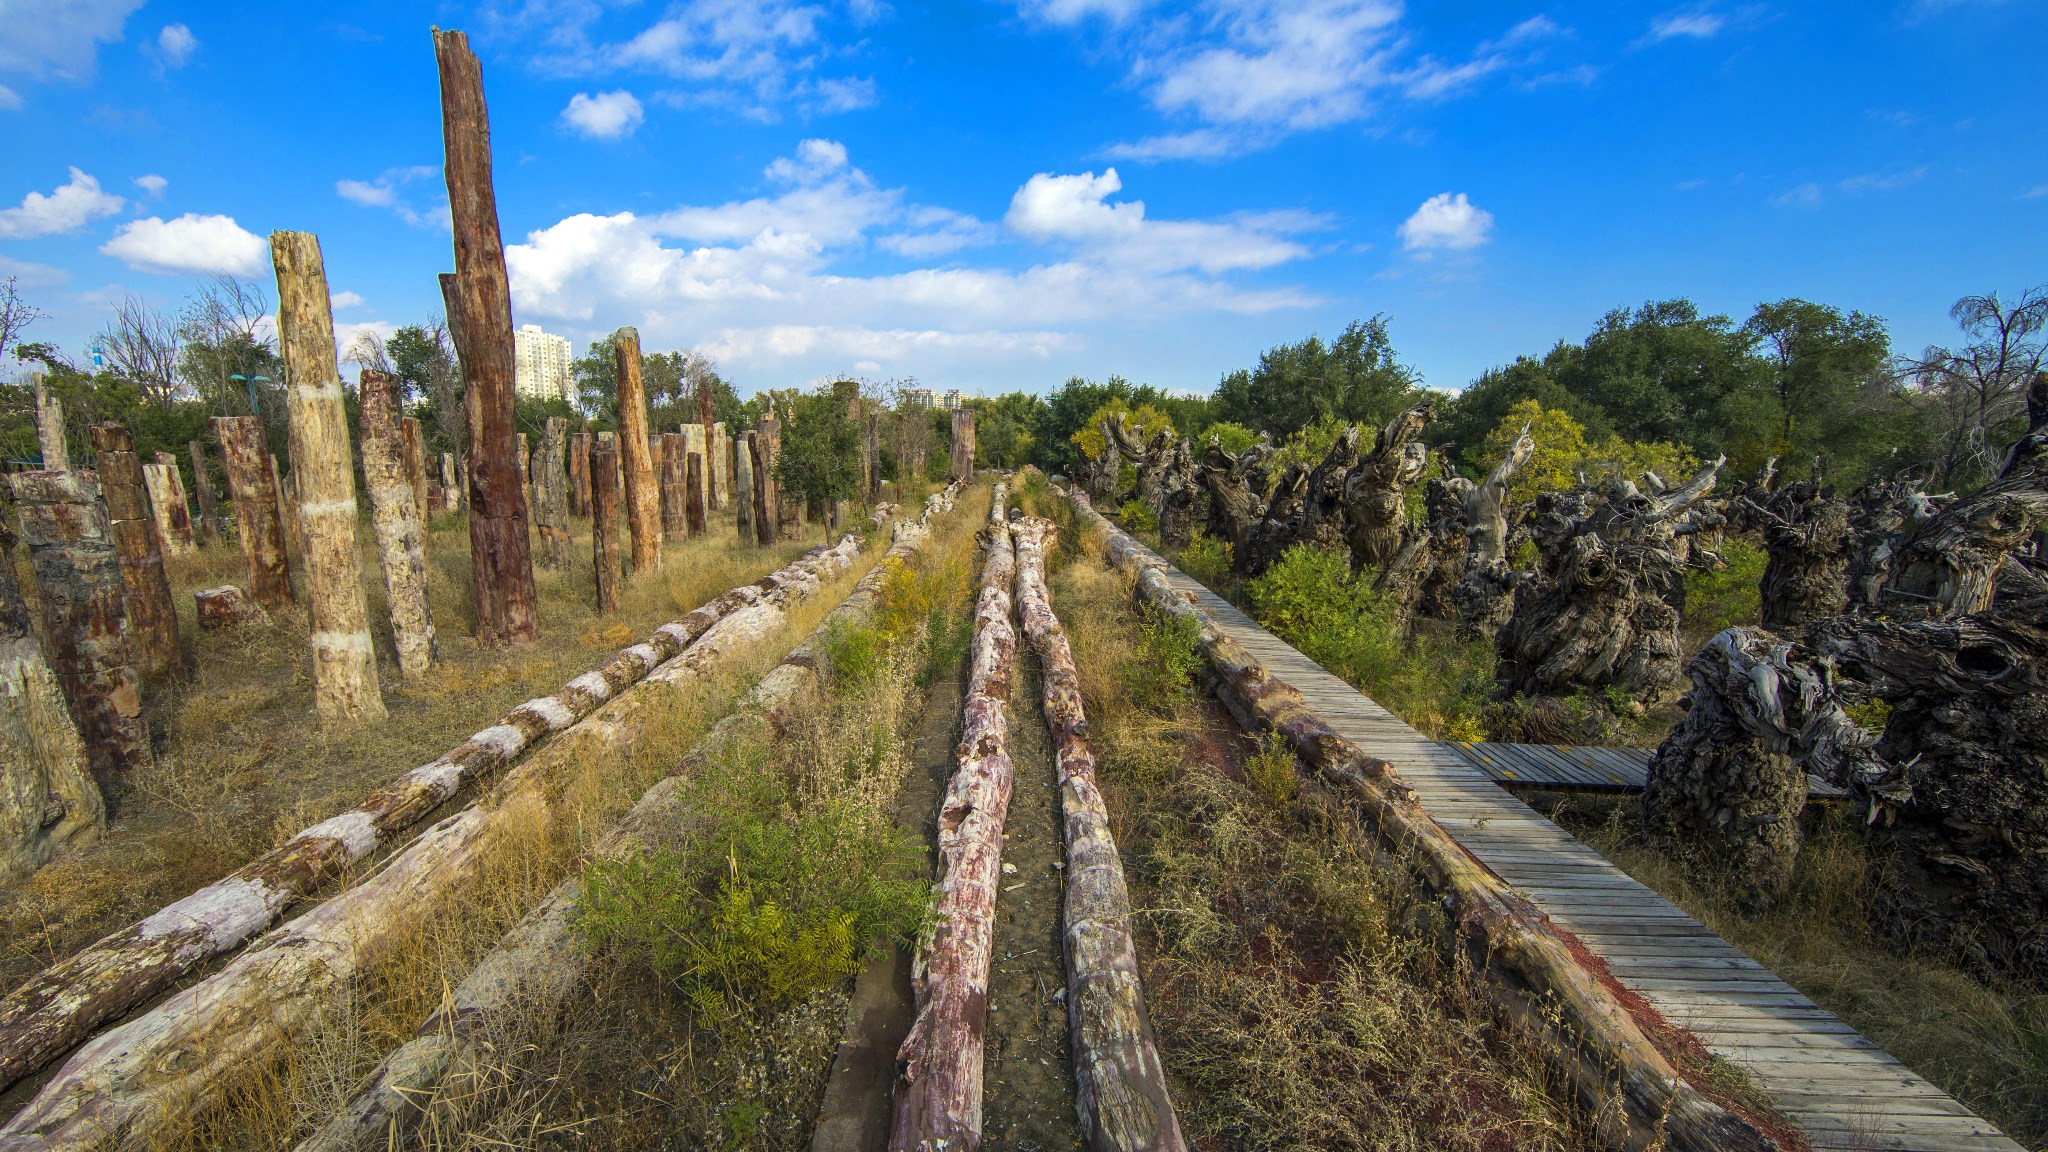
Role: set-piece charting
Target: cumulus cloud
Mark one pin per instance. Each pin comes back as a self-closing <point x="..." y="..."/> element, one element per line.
<point x="1077" y="209"/>
<point x="388" y="191"/>
<point x="1446" y="222"/>
<point x="176" y="43"/>
<point x="190" y="244"/>
<point x="605" y="116"/>
<point x="345" y="300"/>
<point x="1696" y="25"/>
<point x="72" y="204"/>
<point x="152" y="185"/>
<point x="58" y="39"/>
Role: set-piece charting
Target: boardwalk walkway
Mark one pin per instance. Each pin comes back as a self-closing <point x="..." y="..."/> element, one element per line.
<point x="1846" y="1092"/>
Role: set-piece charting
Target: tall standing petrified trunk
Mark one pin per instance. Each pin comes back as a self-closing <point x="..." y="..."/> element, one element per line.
<point x="344" y="661"/>
<point x="1375" y="490"/>
<point x="152" y="617"/>
<point x="50" y="427"/>
<point x="526" y="473"/>
<point x="939" y="1067"/>
<point x="202" y="488"/>
<point x="961" y="464"/>
<point x="182" y="497"/>
<point x="579" y="474"/>
<point x="551" y="502"/>
<point x="401" y="535"/>
<point x="415" y="465"/>
<point x="874" y="449"/>
<point x="253" y="484"/>
<point x="718" y="468"/>
<point x="1485" y="593"/>
<point x="173" y="522"/>
<point x="78" y="575"/>
<point x="604" y="520"/>
<point x="451" y="486"/>
<point x="675" y="522"/>
<point x="643" y="496"/>
<point x="480" y="312"/>
<point x="47" y="795"/>
<point x="693" y="492"/>
<point x="743" y="486"/>
<point x="1809" y="543"/>
<point x="767" y="493"/>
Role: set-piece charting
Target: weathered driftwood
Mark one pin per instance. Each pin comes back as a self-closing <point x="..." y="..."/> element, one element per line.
<point x="50" y="426"/>
<point x="960" y="465"/>
<point x="1425" y="573"/>
<point x="1950" y="563"/>
<point x="47" y="795"/>
<point x="415" y="464"/>
<point x="1121" y="1089"/>
<point x="604" y="521"/>
<point x="551" y="501"/>
<point x="542" y="961"/>
<point x="579" y="474"/>
<point x="743" y="486"/>
<point x="202" y="489"/>
<point x="1808" y="541"/>
<point x="401" y="534"/>
<point x="674" y="522"/>
<point x="162" y="492"/>
<point x="480" y="315"/>
<point x="643" y="496"/>
<point x="1631" y="1087"/>
<point x="344" y="661"/>
<point x="225" y="607"/>
<point x="938" y="1087"/>
<point x="693" y="493"/>
<point x="78" y="579"/>
<point x="1484" y="596"/>
<point x="152" y="617"/>
<point x="61" y="1005"/>
<point x="179" y="1053"/>
<point x="1233" y="501"/>
<point x="252" y="483"/>
<point x="1375" y="489"/>
<point x="764" y="441"/>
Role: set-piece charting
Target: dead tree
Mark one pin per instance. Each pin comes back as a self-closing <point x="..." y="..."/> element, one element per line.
<point x="643" y="495"/>
<point x="480" y="316"/>
<point x="1279" y="526"/>
<point x="401" y="535"/>
<point x="1375" y="489"/>
<point x="1949" y="563"/>
<point x="252" y="482"/>
<point x="344" y="661"/>
<point x="551" y="513"/>
<point x="579" y="474"/>
<point x="1807" y="537"/>
<point x="152" y="616"/>
<point x="1184" y="501"/>
<point x="743" y="486"/>
<point x="1121" y="1089"/>
<point x="604" y="520"/>
<point x="47" y="795"/>
<point x="173" y="522"/>
<point x="1234" y="505"/>
<point x="938" y="1087"/>
<point x="674" y="523"/>
<point x="960" y="465"/>
<point x="1151" y="458"/>
<point x="78" y="579"/>
<point x="1485" y="592"/>
<point x="767" y="442"/>
<point x="416" y="465"/>
<point x="693" y="493"/>
<point x="202" y="487"/>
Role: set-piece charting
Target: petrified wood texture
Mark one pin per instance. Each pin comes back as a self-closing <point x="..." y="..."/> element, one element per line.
<point x="675" y="522"/>
<point x="394" y="516"/>
<point x="202" y="490"/>
<point x="961" y="464"/>
<point x="225" y="607"/>
<point x="579" y="474"/>
<point x="604" y="520"/>
<point x="1809" y="543"/>
<point x="47" y="795"/>
<point x="643" y="495"/>
<point x="415" y="464"/>
<point x="551" y="499"/>
<point x="252" y="483"/>
<point x="173" y="530"/>
<point x="766" y="441"/>
<point x="1375" y="489"/>
<point x="693" y="493"/>
<point x="743" y="486"/>
<point x="152" y="617"/>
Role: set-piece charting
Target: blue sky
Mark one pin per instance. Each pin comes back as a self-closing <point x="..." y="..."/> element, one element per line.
<point x="999" y="195"/>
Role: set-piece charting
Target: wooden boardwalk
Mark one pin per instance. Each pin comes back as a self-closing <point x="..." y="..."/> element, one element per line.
<point x="1580" y="768"/>
<point x="1846" y="1092"/>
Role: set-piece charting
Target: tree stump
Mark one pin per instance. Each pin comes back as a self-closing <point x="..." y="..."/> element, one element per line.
<point x="50" y="427"/>
<point x="579" y="474"/>
<point x="152" y="616"/>
<point x="401" y="534"/>
<point x="78" y="575"/>
<point x="345" y="684"/>
<point x="226" y="607"/>
<point x="960" y="466"/>
<point x="743" y="486"/>
<point x="1375" y="489"/>
<point x="766" y="441"/>
<point x="693" y="493"/>
<point x="163" y="508"/>
<point x="1427" y="570"/>
<point x="551" y="507"/>
<point x="1484" y="597"/>
<point x="252" y="484"/>
<point x="643" y="497"/>
<point x="1950" y="563"/>
<point x="47" y="795"/>
<point x="675" y="523"/>
<point x="210" y="527"/>
<point x="604" y="520"/>
<point x="480" y="313"/>
<point x="1809" y="542"/>
<point x="416" y="465"/>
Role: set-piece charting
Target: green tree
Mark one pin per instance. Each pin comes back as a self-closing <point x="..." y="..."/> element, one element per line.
<point x="820" y="458"/>
<point x="1007" y="429"/>
<point x="1355" y="378"/>
<point x="1144" y="422"/>
<point x="423" y="357"/>
<point x="1564" y="453"/>
<point x="1828" y="391"/>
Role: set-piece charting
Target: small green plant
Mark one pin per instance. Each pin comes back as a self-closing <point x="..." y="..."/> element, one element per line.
<point x="1135" y="517"/>
<point x="853" y="652"/>
<point x="1271" y="770"/>
<point x="1725" y="596"/>
<point x="1171" y="659"/>
<point x="1207" y="559"/>
<point x="1872" y="715"/>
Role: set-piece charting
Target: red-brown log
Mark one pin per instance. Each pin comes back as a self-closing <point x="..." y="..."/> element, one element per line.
<point x="252" y="484"/>
<point x="579" y="474"/>
<point x="643" y="497"/>
<point x="693" y="493"/>
<point x="152" y="616"/>
<point x="604" y="520"/>
<point x="675" y="523"/>
<point x="395" y="517"/>
<point x="225" y="607"/>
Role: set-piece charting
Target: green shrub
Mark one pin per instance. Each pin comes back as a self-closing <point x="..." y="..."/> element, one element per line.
<point x="1271" y="770"/>
<point x="1727" y="596"/>
<point x="1171" y="660"/>
<point x="1207" y="559"/>
<point x="853" y="652"/>
<point x="1135" y="517"/>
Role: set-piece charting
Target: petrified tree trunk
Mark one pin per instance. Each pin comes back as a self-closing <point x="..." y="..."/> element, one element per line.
<point x="47" y="795"/>
<point x="1949" y="564"/>
<point x="415" y="465"/>
<point x="743" y="486"/>
<point x="767" y="441"/>
<point x="1121" y="1090"/>
<point x="1375" y="490"/>
<point x="225" y="607"/>
<point x="604" y="520"/>
<point x="163" y="508"/>
<point x="1807" y="536"/>
<point x="252" y="483"/>
<point x="873" y="494"/>
<point x="961" y="465"/>
<point x="202" y="488"/>
<point x="579" y="474"/>
<point x="643" y="499"/>
<point x="674" y="520"/>
<point x="938" y="1089"/>
<point x="480" y="313"/>
<point x="451" y="486"/>
<point x="526" y="472"/>
<point x="152" y="617"/>
<point x="344" y="661"/>
<point x="50" y="427"/>
<point x="551" y="508"/>
<point x="182" y="502"/>
<point x="1232" y="503"/>
<point x="693" y="493"/>
<point x="1431" y="562"/>
<point x="720" y="464"/>
<point x="1485" y="593"/>
<point x="78" y="575"/>
<point x="401" y="535"/>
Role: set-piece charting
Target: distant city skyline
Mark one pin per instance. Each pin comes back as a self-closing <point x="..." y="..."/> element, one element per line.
<point x="542" y="364"/>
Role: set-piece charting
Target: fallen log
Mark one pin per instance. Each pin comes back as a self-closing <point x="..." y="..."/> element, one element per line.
<point x="1120" y="1084"/>
<point x="1636" y="1091"/>
<point x="224" y="607"/>
<point x="938" y="1086"/>
<point x="63" y="1004"/>
<point x="177" y="1054"/>
<point x="541" y="961"/>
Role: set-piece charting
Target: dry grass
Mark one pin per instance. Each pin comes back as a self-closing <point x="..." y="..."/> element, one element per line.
<point x="1292" y="1009"/>
<point x="1985" y="1043"/>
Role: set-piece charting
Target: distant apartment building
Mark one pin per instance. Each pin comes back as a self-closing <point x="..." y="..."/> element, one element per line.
<point x="543" y="360"/>
<point x="921" y="397"/>
<point x="953" y="399"/>
<point x="926" y="398"/>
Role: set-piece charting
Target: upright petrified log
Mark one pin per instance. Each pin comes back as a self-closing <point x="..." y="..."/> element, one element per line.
<point x="743" y="486"/>
<point x="401" y="534"/>
<point x="415" y="465"/>
<point x="1485" y="593"/>
<point x="47" y="795"/>
<point x="1233" y="503"/>
<point x="480" y="313"/>
<point x="152" y="616"/>
<point x="643" y="496"/>
<point x="1121" y="1089"/>
<point x="50" y="426"/>
<point x="1949" y="564"/>
<point x="78" y="578"/>
<point x="604" y="520"/>
<point x="1183" y="501"/>
<point x="173" y="529"/>
<point x="526" y="472"/>
<point x="579" y="474"/>
<point x="551" y="511"/>
<point x="181" y="512"/>
<point x="344" y="661"/>
<point x="1426" y="572"/>
<point x="1808" y="541"/>
<point x="766" y="441"/>
<point x="693" y="493"/>
<point x="252" y="481"/>
<point x="939" y="1067"/>
<point x="202" y="489"/>
<point x="674" y="521"/>
<point x="873" y="494"/>
<point x="1375" y="490"/>
<point x="960" y="465"/>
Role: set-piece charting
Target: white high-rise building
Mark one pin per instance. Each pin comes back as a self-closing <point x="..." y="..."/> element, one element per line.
<point x="543" y="360"/>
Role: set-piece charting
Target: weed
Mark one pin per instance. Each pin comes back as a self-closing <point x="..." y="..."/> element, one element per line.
<point x="1207" y="559"/>
<point x="1135" y="517"/>
<point x="853" y="652"/>
<point x="1719" y="598"/>
<point x="1171" y="658"/>
<point x="1272" y="770"/>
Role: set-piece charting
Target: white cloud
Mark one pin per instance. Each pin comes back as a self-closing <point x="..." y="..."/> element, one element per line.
<point x="345" y="300"/>
<point x="1200" y="144"/>
<point x="58" y="39"/>
<point x="386" y="191"/>
<point x="1807" y="195"/>
<point x="70" y="205"/>
<point x="192" y="243"/>
<point x="1883" y="181"/>
<point x="1075" y="11"/>
<point x="1446" y="221"/>
<point x="1695" y="25"/>
<point x="2035" y="193"/>
<point x="605" y="116"/>
<point x="9" y="98"/>
<point x="152" y="185"/>
<point x="1077" y="209"/>
<point x="177" y="43"/>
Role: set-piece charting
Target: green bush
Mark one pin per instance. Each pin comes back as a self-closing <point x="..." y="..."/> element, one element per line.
<point x="1135" y="517"/>
<point x="1727" y="596"/>
<point x="1172" y="659"/>
<point x="1271" y="770"/>
<point x="853" y="652"/>
<point x="1207" y="559"/>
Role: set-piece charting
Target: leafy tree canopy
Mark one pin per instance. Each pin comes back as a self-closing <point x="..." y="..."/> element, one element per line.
<point x="1355" y="378"/>
<point x="1144" y="422"/>
<point x="1564" y="454"/>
